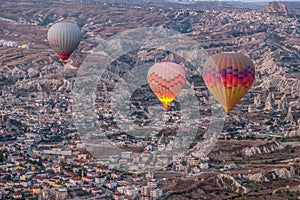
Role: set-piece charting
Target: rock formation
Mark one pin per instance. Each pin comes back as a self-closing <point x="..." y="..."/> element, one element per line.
<point x="257" y="101"/>
<point x="262" y="149"/>
<point x="274" y="174"/>
<point x="250" y="110"/>
<point x="293" y="133"/>
<point x="283" y="104"/>
<point x="277" y="9"/>
<point x="270" y="102"/>
<point x="228" y="182"/>
<point x="289" y="117"/>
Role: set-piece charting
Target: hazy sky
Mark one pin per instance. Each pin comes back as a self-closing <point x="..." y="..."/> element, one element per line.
<point x="264" y="0"/>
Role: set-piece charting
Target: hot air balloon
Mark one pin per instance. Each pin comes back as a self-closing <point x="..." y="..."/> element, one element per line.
<point x="64" y="38"/>
<point x="228" y="76"/>
<point x="166" y="79"/>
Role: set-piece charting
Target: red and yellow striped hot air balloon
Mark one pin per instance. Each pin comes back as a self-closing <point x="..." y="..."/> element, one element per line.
<point x="166" y="79"/>
<point x="228" y="76"/>
<point x="64" y="38"/>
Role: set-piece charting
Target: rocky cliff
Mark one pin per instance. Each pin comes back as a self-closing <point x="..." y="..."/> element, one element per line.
<point x="263" y="149"/>
<point x="228" y="182"/>
<point x="284" y="173"/>
<point x="276" y="8"/>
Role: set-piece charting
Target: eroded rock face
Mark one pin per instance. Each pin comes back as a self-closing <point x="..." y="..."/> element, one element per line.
<point x="283" y="104"/>
<point x="262" y="149"/>
<point x="283" y="8"/>
<point x="275" y="7"/>
<point x="33" y="73"/>
<point x="277" y="80"/>
<point x="46" y="85"/>
<point x="282" y="173"/>
<point x="228" y="182"/>
<point x="250" y="109"/>
<point x="289" y="117"/>
<point x="258" y="177"/>
<point x="272" y="175"/>
<point x="270" y="102"/>
<point x="257" y="101"/>
<point x="293" y="133"/>
<point x="11" y="74"/>
<point x="281" y="83"/>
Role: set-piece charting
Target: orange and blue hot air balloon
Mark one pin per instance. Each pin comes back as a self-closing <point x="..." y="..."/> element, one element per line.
<point x="228" y="76"/>
<point x="166" y="79"/>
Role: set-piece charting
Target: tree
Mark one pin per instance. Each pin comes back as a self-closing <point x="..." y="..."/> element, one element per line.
<point x="2" y="157"/>
<point x="79" y="173"/>
<point x="80" y="193"/>
<point x="239" y="154"/>
<point x="50" y="171"/>
<point x="186" y="26"/>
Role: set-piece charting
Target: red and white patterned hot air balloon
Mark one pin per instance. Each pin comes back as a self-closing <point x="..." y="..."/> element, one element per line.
<point x="166" y="79"/>
<point x="64" y="38"/>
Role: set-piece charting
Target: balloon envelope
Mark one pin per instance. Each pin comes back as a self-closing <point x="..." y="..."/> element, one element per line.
<point x="228" y="76"/>
<point x="166" y="79"/>
<point x="64" y="38"/>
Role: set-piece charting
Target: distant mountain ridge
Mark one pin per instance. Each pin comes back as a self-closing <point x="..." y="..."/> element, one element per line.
<point x="251" y="4"/>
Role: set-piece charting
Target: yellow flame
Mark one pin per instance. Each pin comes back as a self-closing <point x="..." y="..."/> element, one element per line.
<point x="166" y="101"/>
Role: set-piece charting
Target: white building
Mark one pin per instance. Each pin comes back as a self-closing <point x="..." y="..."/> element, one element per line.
<point x="111" y="184"/>
<point x="152" y="183"/>
<point x="156" y="193"/>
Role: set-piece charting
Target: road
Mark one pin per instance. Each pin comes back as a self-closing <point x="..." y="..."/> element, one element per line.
<point x="291" y="189"/>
